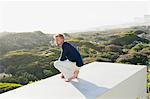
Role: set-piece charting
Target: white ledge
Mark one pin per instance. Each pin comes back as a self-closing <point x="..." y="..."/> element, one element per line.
<point x="97" y="80"/>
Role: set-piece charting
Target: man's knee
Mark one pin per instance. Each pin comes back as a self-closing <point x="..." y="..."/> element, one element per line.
<point x="56" y="63"/>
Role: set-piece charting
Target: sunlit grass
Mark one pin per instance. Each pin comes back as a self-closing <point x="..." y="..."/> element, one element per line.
<point x="8" y="86"/>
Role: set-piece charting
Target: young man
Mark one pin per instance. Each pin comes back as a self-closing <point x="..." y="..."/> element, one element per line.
<point x="70" y="59"/>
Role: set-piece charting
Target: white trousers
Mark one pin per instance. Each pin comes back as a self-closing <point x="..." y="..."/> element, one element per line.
<point x="67" y="68"/>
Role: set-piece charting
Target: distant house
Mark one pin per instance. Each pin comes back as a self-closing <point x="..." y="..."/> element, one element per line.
<point x="4" y="75"/>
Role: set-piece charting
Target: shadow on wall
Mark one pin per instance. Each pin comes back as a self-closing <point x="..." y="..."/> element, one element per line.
<point x="88" y="89"/>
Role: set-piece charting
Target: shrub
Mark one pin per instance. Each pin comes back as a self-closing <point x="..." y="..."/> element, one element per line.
<point x="107" y="56"/>
<point x="133" y="58"/>
<point x="138" y="47"/>
<point x="113" y="48"/>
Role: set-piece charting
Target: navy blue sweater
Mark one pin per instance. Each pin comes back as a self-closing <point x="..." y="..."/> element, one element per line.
<point x="69" y="52"/>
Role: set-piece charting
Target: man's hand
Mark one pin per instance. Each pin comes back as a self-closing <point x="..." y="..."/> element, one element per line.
<point x="76" y="73"/>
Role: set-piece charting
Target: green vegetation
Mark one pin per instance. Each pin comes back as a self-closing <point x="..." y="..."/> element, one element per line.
<point x="8" y="86"/>
<point x="128" y="38"/>
<point x="30" y="58"/>
<point x="27" y="66"/>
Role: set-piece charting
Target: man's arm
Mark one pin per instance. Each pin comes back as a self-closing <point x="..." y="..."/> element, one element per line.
<point x="79" y="62"/>
<point x="63" y="53"/>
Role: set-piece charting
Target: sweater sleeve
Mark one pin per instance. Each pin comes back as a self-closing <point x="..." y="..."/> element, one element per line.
<point x="79" y="63"/>
<point x="63" y="53"/>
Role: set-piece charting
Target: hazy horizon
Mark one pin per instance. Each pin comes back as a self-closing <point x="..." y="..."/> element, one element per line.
<point x="52" y="17"/>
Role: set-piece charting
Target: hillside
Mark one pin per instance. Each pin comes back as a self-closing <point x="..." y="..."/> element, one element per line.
<point x="29" y="56"/>
<point x="27" y="40"/>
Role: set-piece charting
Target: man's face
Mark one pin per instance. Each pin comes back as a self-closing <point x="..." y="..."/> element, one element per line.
<point x="59" y="41"/>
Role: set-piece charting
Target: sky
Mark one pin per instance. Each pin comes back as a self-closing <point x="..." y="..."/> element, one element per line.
<point x="67" y="16"/>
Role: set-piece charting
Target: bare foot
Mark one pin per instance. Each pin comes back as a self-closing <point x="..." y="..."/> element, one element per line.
<point x="73" y="77"/>
<point x="76" y="73"/>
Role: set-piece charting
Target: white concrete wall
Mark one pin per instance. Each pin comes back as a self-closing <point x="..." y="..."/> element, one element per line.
<point x="99" y="80"/>
<point x="132" y="88"/>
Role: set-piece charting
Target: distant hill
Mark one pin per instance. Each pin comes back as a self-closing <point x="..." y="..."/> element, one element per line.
<point x="128" y="39"/>
<point x="141" y="33"/>
<point x="25" y="40"/>
<point x="29" y="56"/>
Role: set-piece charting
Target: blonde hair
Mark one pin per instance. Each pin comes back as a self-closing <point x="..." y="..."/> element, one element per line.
<point x="59" y="35"/>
